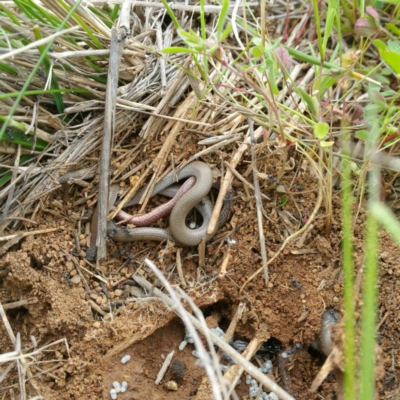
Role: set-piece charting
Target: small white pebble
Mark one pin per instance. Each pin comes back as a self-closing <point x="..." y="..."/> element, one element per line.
<point x="284" y="355"/>
<point x="117" y="386"/>
<point x="125" y="359"/>
<point x="248" y="379"/>
<point x="264" y="396"/>
<point x="182" y="345"/>
<point x="124" y="386"/>
<point x="113" y="394"/>
<point x="196" y="353"/>
<point x="231" y="241"/>
<point x="75" y="279"/>
<point x="273" y="396"/>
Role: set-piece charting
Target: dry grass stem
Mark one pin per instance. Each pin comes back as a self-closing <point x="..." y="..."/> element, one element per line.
<point x="37" y="43"/>
<point x="29" y="233"/>
<point x="209" y="9"/>
<point x="164" y="367"/>
<point x="257" y="193"/>
<point x="243" y="180"/>
<point x="21" y="303"/>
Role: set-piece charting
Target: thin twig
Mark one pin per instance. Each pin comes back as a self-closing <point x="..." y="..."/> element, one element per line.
<point x="257" y="193"/>
<point x="164" y="367"/>
<point x="243" y="180"/>
<point x="108" y="136"/>
<point x="25" y="234"/>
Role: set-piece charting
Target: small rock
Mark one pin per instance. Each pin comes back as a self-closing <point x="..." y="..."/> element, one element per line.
<point x="75" y="279"/>
<point x="178" y="369"/>
<point x="171" y="386"/>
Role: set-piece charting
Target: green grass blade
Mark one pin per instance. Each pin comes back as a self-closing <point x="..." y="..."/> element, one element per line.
<point x="203" y="20"/>
<point x="26" y="142"/>
<point x="222" y="19"/>
<point x="318" y="27"/>
<point x="6" y="174"/>
<point x="10" y="15"/>
<point x="348" y="268"/>
<point x="8" y="69"/>
<point x="369" y="311"/>
<point x="387" y="219"/>
<point x="171" y="13"/>
<point x="35" y="8"/>
<point x="48" y="68"/>
<point x="115" y="12"/>
<point x="29" y="11"/>
<point x="79" y="20"/>
<point x="43" y="92"/>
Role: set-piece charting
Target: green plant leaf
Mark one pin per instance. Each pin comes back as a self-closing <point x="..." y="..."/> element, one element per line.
<point x="377" y="97"/>
<point x="222" y="19"/>
<point x="393" y="28"/>
<point x="15" y="137"/>
<point x="330" y="17"/>
<point x="372" y="109"/>
<point x="387" y="219"/>
<point x="311" y="102"/>
<point x="43" y="92"/>
<point x="321" y="129"/>
<point x="192" y="40"/>
<point x="326" y="144"/>
<point x="7" y="175"/>
<point x="393" y="45"/>
<point x="363" y="134"/>
<point x="272" y="82"/>
<point x="225" y="33"/>
<point x="203" y="20"/>
<point x="173" y="50"/>
<point x="47" y="66"/>
<point x="171" y="13"/>
<point x="390" y="56"/>
<point x="8" y="69"/>
<point x="284" y="201"/>
<point x="323" y="84"/>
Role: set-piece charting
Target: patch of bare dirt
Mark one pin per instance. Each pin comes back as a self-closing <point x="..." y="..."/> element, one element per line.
<point x="304" y="281"/>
